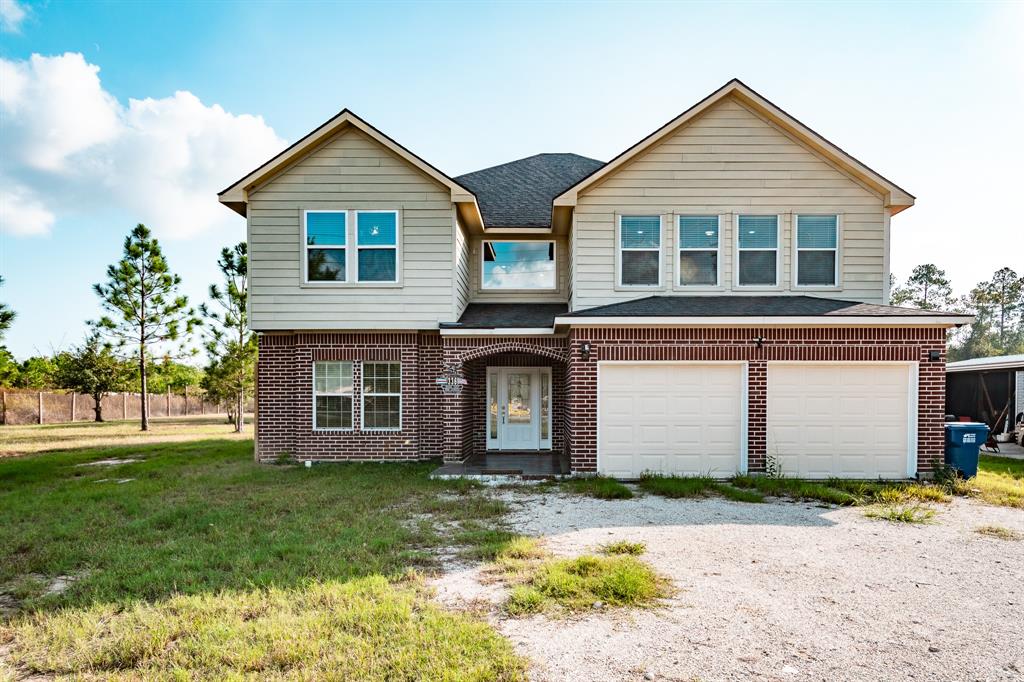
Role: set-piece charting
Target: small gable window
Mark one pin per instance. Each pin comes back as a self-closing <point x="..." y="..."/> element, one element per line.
<point x="518" y="265"/>
<point x="817" y="250"/>
<point x="757" y="251"/>
<point x="640" y="251"/>
<point x="698" y="250"/>
<point x="325" y="246"/>
<point x="377" y="246"/>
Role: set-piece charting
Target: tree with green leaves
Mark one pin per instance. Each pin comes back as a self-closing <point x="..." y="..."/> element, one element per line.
<point x="9" y="369"/>
<point x="927" y="288"/>
<point x="143" y="304"/>
<point x="38" y="372"/>
<point x="6" y="316"/>
<point x="93" y="369"/>
<point x="229" y="342"/>
<point x="1003" y="297"/>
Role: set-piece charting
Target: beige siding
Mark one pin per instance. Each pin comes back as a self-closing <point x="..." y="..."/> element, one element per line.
<point x="727" y="161"/>
<point x="350" y="171"/>
<point x="479" y="295"/>
<point x="462" y="268"/>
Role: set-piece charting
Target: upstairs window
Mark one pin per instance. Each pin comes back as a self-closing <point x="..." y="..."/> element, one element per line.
<point x="382" y="396"/>
<point x="640" y="251"/>
<point x="817" y="250"/>
<point x="698" y="250"/>
<point x="757" y="251"/>
<point x="325" y="246"/>
<point x="518" y="265"/>
<point x="332" y="395"/>
<point x="377" y="246"/>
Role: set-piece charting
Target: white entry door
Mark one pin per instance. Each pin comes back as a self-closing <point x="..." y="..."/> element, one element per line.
<point x="518" y="408"/>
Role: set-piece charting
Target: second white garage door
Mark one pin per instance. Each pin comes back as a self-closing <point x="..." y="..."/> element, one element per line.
<point x="669" y="418"/>
<point x="852" y="420"/>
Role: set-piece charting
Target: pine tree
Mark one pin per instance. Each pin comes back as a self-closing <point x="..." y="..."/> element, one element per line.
<point x="6" y="316"/>
<point x="145" y="309"/>
<point x="229" y="343"/>
<point x="1003" y="296"/>
<point x="926" y="288"/>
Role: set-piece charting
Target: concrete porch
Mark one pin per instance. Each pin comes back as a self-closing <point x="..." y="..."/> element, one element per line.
<point x="525" y="466"/>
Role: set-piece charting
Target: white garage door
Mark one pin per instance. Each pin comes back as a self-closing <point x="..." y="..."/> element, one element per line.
<point x="848" y="421"/>
<point x="670" y="418"/>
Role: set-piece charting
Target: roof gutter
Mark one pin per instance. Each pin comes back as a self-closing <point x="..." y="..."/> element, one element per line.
<point x="1018" y="365"/>
<point x="768" y="321"/>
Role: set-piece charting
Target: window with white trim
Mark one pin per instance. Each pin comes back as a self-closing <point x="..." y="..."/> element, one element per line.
<point x="376" y="246"/>
<point x="640" y="251"/>
<point x="757" y="251"/>
<point x="817" y="250"/>
<point x="382" y="395"/>
<point x="698" y="250"/>
<point x="326" y="239"/>
<point x="332" y="395"/>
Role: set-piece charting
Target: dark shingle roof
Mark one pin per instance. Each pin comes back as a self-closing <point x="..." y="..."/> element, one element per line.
<point x="509" y="315"/>
<point x="750" y="306"/>
<point x="519" y="193"/>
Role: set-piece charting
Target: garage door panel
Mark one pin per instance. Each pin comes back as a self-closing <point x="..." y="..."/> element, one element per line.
<point x="681" y="419"/>
<point x="848" y="420"/>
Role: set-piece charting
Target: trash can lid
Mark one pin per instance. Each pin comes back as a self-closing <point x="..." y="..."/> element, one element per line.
<point x="965" y="425"/>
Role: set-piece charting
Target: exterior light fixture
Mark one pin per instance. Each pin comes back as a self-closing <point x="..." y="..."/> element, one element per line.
<point x="934" y="355"/>
<point x="759" y="340"/>
<point x="585" y="350"/>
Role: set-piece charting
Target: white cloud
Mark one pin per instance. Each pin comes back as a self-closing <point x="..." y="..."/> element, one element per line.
<point x="71" y="148"/>
<point x="11" y="15"/>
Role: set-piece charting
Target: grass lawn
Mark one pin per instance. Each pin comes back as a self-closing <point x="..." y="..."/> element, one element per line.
<point x="1000" y="480"/>
<point x="196" y="562"/>
<point x="20" y="440"/>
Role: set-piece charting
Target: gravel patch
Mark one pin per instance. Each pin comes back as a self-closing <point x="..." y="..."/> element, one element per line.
<point x="777" y="591"/>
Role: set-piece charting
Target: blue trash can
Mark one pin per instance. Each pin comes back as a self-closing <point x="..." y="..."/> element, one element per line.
<point x="963" y="441"/>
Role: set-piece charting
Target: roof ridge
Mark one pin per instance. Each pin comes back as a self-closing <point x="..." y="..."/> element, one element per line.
<point x="525" y="158"/>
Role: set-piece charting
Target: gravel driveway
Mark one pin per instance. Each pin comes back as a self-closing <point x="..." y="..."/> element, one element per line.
<point x="779" y="591"/>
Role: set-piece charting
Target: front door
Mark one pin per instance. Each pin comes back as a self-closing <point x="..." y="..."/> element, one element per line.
<point x="518" y="408"/>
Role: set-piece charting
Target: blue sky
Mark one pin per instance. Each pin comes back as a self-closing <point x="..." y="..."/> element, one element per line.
<point x="141" y="111"/>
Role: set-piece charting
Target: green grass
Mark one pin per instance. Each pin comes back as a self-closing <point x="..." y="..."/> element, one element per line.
<point x="901" y="513"/>
<point x="203" y="563"/>
<point x="601" y="487"/>
<point x="366" y="629"/>
<point x="1001" y="532"/>
<point x="576" y="584"/>
<point x="624" y="547"/>
<point x="695" y="486"/>
<point x="1000" y="481"/>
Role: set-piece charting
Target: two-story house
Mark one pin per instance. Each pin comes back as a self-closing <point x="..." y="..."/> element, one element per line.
<point x="713" y="299"/>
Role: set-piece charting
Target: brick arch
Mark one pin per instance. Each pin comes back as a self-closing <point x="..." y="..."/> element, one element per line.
<point x="498" y="348"/>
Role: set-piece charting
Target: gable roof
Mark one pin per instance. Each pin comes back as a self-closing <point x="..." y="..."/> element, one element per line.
<point x="896" y="197"/>
<point x="519" y="193"/>
<point x="235" y="196"/>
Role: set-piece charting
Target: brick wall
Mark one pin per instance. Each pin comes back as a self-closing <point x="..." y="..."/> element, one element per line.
<point x="285" y="399"/>
<point x="824" y="344"/>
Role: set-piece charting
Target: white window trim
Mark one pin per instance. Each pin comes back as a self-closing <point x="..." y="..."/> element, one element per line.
<point x="737" y="250"/>
<point x="619" y="249"/>
<point x="379" y="247"/>
<point x="363" y="393"/>
<point x="483" y="252"/>
<point x="797" y="250"/>
<point x="352" y="248"/>
<point x="679" y="253"/>
<point x="351" y="395"/>
<point x="306" y="246"/>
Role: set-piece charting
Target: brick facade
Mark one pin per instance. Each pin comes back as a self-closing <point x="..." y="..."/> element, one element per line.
<point x="437" y="424"/>
<point x="789" y="344"/>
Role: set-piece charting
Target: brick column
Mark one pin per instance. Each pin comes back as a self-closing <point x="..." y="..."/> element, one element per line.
<point x="581" y="404"/>
<point x="757" y="415"/>
<point x="451" y="411"/>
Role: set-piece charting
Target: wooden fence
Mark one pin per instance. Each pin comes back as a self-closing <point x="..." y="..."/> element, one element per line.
<point x="18" y="406"/>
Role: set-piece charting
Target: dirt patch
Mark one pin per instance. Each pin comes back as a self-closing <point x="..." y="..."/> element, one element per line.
<point x="776" y="591"/>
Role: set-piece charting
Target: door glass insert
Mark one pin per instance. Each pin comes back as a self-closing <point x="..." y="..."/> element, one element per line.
<point x="492" y="408"/>
<point x="519" y="408"/>
<point x="545" y="415"/>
